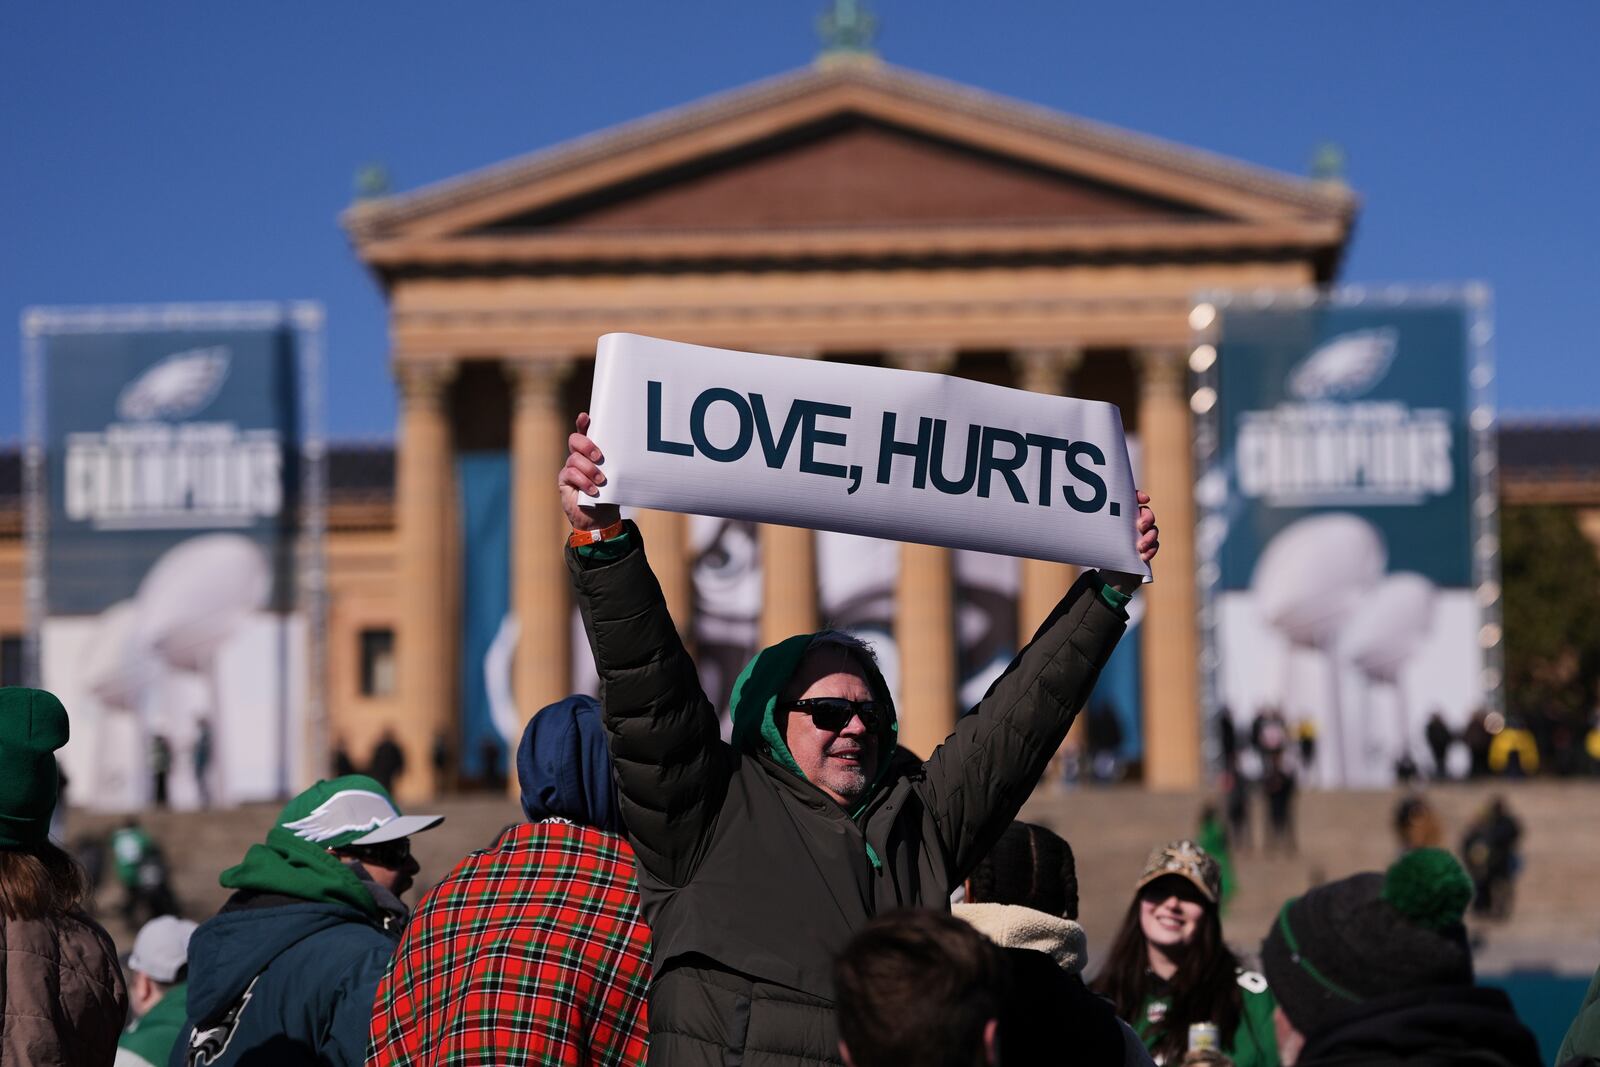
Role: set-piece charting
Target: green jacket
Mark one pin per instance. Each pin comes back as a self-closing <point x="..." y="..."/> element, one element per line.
<point x="129" y="847"/>
<point x="1583" y="1037"/>
<point x="150" y="1037"/>
<point x="751" y="878"/>
<point x="1254" y="1043"/>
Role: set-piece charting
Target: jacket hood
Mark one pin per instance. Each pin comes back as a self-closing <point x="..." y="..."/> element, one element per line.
<point x="1013" y="926"/>
<point x="1470" y="1021"/>
<point x="754" y="705"/>
<point x="234" y="946"/>
<point x="564" y="766"/>
<point x="295" y="867"/>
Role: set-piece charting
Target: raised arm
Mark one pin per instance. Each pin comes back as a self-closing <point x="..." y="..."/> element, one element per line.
<point x="975" y="783"/>
<point x="672" y="767"/>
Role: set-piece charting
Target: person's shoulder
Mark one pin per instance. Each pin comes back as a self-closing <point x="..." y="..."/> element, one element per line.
<point x="79" y="937"/>
<point x="350" y="951"/>
<point x="66" y="949"/>
<point x="904" y="767"/>
<point x="534" y="849"/>
<point x="320" y="927"/>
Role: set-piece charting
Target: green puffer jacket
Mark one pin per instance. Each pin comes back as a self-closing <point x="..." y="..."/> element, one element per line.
<point x="752" y="879"/>
<point x="1583" y="1036"/>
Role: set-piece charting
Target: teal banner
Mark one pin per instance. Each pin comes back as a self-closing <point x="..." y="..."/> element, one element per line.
<point x="1346" y="528"/>
<point x="1357" y="410"/>
<point x="156" y="436"/>
<point x="172" y="499"/>
<point x="484" y="479"/>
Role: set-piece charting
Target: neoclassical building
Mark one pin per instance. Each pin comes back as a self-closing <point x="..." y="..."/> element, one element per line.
<point x="851" y="210"/>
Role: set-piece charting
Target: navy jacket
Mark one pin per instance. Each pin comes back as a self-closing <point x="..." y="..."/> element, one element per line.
<point x="276" y="981"/>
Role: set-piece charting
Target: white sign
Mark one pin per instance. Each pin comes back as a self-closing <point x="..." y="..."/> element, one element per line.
<point x="864" y="450"/>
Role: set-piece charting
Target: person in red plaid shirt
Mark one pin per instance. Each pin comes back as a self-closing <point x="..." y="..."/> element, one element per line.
<point x="532" y="951"/>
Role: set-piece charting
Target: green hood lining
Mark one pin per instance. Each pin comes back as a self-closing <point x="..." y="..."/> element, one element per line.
<point x="754" y="707"/>
<point x="288" y="865"/>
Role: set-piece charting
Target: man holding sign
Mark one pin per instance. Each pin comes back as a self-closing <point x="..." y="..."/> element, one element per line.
<point x="759" y="859"/>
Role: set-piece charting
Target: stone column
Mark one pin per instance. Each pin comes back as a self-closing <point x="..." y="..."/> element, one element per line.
<point x="540" y="597"/>
<point x="672" y="559"/>
<point x="788" y="566"/>
<point x="1043" y="369"/>
<point x="423" y="510"/>
<point x="788" y="582"/>
<point x="924" y="615"/>
<point x="1046" y="369"/>
<point x="1172" y="726"/>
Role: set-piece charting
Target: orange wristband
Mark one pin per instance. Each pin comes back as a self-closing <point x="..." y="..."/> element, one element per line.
<point x="579" y="538"/>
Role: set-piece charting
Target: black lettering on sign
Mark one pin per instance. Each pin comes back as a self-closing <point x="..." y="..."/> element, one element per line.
<point x="990" y="451"/>
<point x="1008" y="467"/>
<point x="889" y="447"/>
<point x="969" y="472"/>
<point x="654" y="441"/>
<point x="811" y="436"/>
<point x="1097" y="499"/>
<point x="697" y="425"/>
<point x="775" y="451"/>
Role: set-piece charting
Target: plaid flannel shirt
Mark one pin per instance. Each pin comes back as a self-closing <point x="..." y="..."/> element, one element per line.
<point x="530" y="952"/>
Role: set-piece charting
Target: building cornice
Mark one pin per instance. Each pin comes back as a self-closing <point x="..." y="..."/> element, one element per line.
<point x="893" y="93"/>
<point x="743" y="247"/>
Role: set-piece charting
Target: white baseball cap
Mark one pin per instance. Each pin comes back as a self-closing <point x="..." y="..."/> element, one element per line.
<point x="162" y="948"/>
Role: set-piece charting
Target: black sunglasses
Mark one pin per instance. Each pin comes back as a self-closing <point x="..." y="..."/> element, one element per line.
<point x="388" y="854"/>
<point x="834" y="713"/>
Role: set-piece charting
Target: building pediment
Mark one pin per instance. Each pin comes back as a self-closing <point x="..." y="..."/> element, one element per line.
<point x="849" y="170"/>
<point x="857" y="159"/>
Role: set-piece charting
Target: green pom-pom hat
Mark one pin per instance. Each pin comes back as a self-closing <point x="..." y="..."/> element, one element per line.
<point x="1429" y="887"/>
<point x="1370" y="936"/>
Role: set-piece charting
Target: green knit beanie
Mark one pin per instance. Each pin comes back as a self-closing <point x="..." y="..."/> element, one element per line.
<point x="33" y="724"/>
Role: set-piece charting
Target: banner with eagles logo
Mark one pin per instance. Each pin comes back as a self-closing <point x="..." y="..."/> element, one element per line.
<point x="1347" y="526"/>
<point x="166" y="485"/>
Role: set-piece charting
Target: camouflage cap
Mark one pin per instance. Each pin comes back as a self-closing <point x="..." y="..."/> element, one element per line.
<point x="1186" y="860"/>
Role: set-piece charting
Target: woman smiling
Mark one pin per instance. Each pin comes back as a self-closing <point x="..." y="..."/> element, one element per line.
<point x="1169" y="969"/>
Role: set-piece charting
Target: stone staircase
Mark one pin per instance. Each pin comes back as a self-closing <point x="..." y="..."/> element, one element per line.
<point x="1555" y="924"/>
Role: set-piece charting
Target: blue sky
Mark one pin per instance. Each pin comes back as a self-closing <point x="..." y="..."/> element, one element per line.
<point x="161" y="151"/>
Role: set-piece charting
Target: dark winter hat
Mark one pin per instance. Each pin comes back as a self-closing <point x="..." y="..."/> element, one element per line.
<point x="564" y="766"/>
<point x="33" y="724"/>
<point x="1369" y="936"/>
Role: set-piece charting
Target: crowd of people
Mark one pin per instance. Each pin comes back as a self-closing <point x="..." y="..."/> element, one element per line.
<point x="808" y="892"/>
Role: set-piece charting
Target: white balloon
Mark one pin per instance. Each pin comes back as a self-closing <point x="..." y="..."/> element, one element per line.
<point x="1314" y="573"/>
<point x="119" y="667"/>
<point x="1390" y="624"/>
<point x="197" y="595"/>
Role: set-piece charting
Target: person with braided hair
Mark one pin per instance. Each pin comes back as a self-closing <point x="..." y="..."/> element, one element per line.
<point x="1024" y="897"/>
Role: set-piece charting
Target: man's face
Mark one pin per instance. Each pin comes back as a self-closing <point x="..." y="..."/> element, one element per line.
<point x="843" y="762"/>
<point x="390" y="864"/>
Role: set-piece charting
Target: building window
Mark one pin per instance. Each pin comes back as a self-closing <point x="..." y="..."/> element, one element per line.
<point x="377" y="663"/>
<point x="10" y="660"/>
